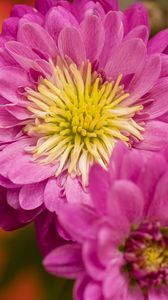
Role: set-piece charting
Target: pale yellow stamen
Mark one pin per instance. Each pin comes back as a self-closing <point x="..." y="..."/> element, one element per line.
<point x="78" y="118"/>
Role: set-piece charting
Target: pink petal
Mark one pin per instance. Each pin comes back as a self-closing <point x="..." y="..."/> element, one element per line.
<point x="131" y="166"/>
<point x="57" y="19"/>
<point x="159" y="42"/>
<point x="18" y="166"/>
<point x="52" y="195"/>
<point x="156" y="294"/>
<point x="140" y="32"/>
<point x="93" y="36"/>
<point x="108" y="241"/>
<point x="35" y="37"/>
<point x="164" y="61"/>
<point x="93" y="265"/>
<point x="11" y="78"/>
<point x="65" y="261"/>
<point x="114" y="285"/>
<point x="136" y="15"/>
<point x="83" y="219"/>
<point x="134" y="293"/>
<point x="155" y="136"/>
<point x="124" y="58"/>
<point x="126" y="200"/>
<point x="9" y="154"/>
<point x="114" y="32"/>
<point x="70" y="43"/>
<point x="75" y="192"/>
<point x="80" y="287"/>
<point x="22" y="54"/>
<point x="9" y="219"/>
<point x="47" y="235"/>
<point x="10" y="134"/>
<point x="150" y="175"/>
<point x="99" y="185"/>
<point x="34" y="172"/>
<point x="116" y="160"/>
<point x="93" y="291"/>
<point x="21" y="113"/>
<point x="142" y="82"/>
<point x="6" y="119"/>
<point x="32" y="195"/>
<point x="12" y="198"/>
<point x="160" y="95"/>
<point x="159" y="205"/>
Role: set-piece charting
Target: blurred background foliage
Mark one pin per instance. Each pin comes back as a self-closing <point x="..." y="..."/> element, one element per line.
<point x="21" y="272"/>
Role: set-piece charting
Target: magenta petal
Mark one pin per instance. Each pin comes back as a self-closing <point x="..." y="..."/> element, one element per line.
<point x="124" y="58"/>
<point x="131" y="165"/>
<point x="80" y="286"/>
<point x="108" y="241"/>
<point x="159" y="42"/>
<point x="93" y="36"/>
<point x="142" y="82"/>
<point x="99" y="184"/>
<point x="75" y="192"/>
<point x="93" y="266"/>
<point x="52" y="195"/>
<point x="8" y="88"/>
<point x="116" y="160"/>
<point x="20" y="10"/>
<point x="93" y="291"/>
<point x="126" y="199"/>
<point x="158" y="207"/>
<point x="164" y="61"/>
<point x="114" y="285"/>
<point x="9" y="153"/>
<point x="20" y="113"/>
<point x="33" y="172"/>
<point x="48" y="238"/>
<point x="155" y="136"/>
<point x="18" y="166"/>
<point x="57" y="19"/>
<point x="70" y="43"/>
<point x="35" y="37"/>
<point x="10" y="26"/>
<point x="136" y="15"/>
<point x="23" y="55"/>
<point x="44" y="6"/>
<point x="12" y="198"/>
<point x="6" y="119"/>
<point x="10" y="134"/>
<point x="149" y="176"/>
<point x="9" y="219"/>
<point x="160" y="95"/>
<point x="158" y="294"/>
<point x="83" y="220"/>
<point x="32" y="195"/>
<point x="65" y="261"/>
<point x="134" y="293"/>
<point x="140" y="32"/>
<point x="114" y="32"/>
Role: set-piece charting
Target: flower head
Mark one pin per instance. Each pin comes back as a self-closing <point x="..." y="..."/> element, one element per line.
<point x="70" y="88"/>
<point x="121" y="249"/>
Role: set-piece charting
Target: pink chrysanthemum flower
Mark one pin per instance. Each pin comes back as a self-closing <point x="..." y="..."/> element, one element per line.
<point x="75" y="78"/>
<point x="121" y="249"/>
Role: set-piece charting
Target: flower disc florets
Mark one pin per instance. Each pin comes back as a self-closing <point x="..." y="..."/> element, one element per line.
<point x="146" y="255"/>
<point x="78" y="117"/>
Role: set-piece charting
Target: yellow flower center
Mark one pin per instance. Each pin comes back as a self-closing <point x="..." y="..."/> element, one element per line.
<point x="155" y="257"/>
<point x="78" y="118"/>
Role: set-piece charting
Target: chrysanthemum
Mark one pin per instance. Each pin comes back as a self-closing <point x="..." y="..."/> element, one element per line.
<point x="121" y="249"/>
<point x="75" y="78"/>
